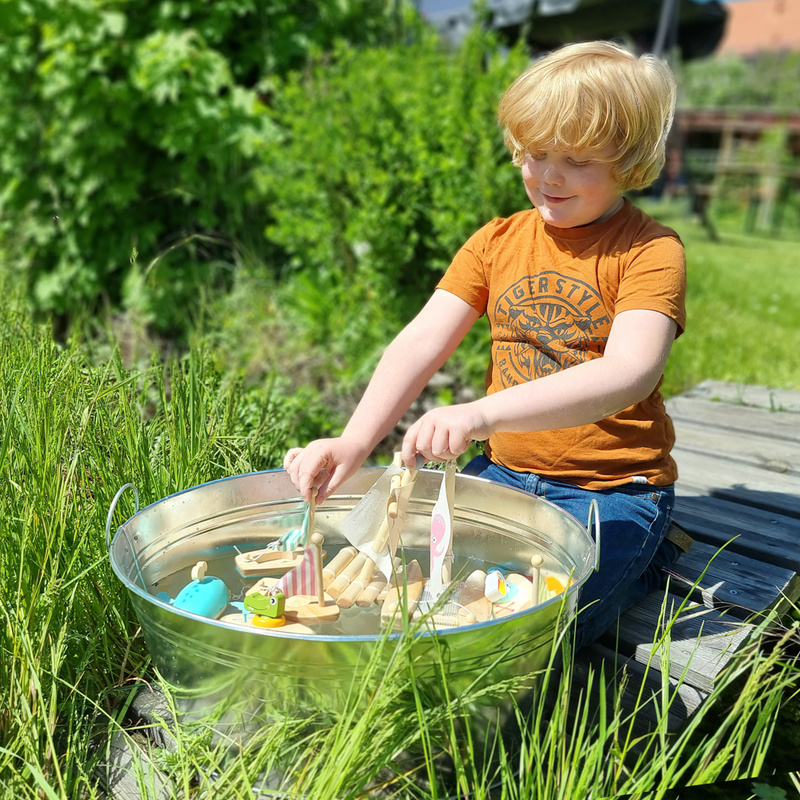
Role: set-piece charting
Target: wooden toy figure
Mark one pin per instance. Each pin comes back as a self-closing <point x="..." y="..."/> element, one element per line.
<point x="306" y="600"/>
<point x="278" y="556"/>
<point x="496" y="589"/>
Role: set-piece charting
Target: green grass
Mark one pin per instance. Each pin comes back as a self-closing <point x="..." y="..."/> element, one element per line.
<point x="71" y="434"/>
<point x="71" y="653"/>
<point x="743" y="308"/>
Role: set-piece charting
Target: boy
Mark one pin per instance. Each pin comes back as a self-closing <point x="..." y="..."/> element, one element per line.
<point x="585" y="295"/>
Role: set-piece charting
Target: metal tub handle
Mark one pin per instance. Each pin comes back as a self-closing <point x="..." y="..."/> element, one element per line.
<point x="594" y="519"/>
<point x="114" y="505"/>
<point x="121" y="528"/>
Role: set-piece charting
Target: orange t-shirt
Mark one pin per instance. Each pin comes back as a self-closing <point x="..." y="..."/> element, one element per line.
<point x="550" y="295"/>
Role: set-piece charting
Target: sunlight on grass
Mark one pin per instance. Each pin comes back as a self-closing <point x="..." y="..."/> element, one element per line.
<point x="743" y="308"/>
<point x="579" y="738"/>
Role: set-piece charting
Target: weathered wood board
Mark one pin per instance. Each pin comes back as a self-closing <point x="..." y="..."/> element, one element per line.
<point x="746" y="455"/>
<point x="128" y="768"/>
<point x="702" y="640"/>
<point x="761" y="424"/>
<point x="725" y="580"/>
<point x="738" y="496"/>
<point x="779" y="456"/>
<point x="739" y="483"/>
<point x="763" y="535"/>
<point x="643" y="689"/>
<point x="746" y="395"/>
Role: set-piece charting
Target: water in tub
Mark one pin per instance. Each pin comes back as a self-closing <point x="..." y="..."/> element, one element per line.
<point x="357" y="620"/>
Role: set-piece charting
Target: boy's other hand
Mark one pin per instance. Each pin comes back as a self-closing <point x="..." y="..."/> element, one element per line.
<point x="323" y="465"/>
<point x="445" y="433"/>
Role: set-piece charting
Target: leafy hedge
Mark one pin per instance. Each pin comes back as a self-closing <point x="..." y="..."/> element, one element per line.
<point x="389" y="159"/>
<point x="134" y="126"/>
<point x="767" y="80"/>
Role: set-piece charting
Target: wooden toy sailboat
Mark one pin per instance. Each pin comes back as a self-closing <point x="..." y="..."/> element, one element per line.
<point x="442" y="534"/>
<point x="373" y="530"/>
<point x="302" y="587"/>
<point x="466" y="602"/>
<point x="278" y="556"/>
<point x="449" y="610"/>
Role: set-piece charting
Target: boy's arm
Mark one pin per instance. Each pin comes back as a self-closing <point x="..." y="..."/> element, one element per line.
<point x="406" y="366"/>
<point x="628" y="371"/>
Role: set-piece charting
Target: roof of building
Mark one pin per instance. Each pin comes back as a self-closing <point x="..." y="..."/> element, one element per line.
<point x="754" y="26"/>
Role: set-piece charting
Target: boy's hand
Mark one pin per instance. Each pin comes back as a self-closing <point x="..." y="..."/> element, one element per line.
<point x="323" y="465"/>
<point x="445" y="433"/>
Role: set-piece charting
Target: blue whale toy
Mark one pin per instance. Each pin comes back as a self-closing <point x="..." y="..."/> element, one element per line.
<point x="204" y="596"/>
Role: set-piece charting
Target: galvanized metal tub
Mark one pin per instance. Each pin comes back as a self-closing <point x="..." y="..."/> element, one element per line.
<point x="252" y="676"/>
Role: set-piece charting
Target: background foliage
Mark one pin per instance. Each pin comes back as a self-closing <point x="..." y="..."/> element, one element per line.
<point x="767" y="80"/>
<point x="389" y="159"/>
<point x="135" y="125"/>
<point x="279" y="183"/>
<point x="391" y="189"/>
<point x="285" y="180"/>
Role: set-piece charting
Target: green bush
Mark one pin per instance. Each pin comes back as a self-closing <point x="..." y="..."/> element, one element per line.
<point x="389" y="160"/>
<point x="134" y="125"/>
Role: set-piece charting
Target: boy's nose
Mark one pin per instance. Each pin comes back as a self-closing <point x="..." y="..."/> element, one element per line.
<point x="552" y="175"/>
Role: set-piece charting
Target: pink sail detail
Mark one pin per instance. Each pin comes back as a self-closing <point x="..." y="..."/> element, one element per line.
<point x="439" y="536"/>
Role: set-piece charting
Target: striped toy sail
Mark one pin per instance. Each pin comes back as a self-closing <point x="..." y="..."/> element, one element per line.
<point x="293" y="539"/>
<point x="300" y="580"/>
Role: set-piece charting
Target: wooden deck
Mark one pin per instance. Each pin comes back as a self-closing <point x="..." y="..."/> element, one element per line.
<point x="738" y="454"/>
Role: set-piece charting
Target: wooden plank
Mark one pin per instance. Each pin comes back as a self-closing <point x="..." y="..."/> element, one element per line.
<point x="753" y="532"/>
<point x="731" y="581"/>
<point x="643" y="688"/>
<point x="705" y="475"/>
<point x="155" y="717"/>
<point x="746" y="395"/>
<point x="702" y="640"/>
<point x="129" y="774"/>
<point x="745" y="448"/>
<point x="738" y="455"/>
<point x="779" y="425"/>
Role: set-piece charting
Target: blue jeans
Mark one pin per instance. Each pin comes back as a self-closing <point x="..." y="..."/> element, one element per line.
<point x="633" y="552"/>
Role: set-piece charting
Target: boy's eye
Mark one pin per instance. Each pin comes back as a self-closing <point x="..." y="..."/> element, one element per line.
<point x="575" y="162"/>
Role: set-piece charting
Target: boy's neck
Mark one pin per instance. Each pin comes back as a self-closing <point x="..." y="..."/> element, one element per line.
<point x="608" y="214"/>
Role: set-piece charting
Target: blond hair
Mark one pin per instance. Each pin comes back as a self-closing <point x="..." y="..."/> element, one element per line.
<point x="588" y="96"/>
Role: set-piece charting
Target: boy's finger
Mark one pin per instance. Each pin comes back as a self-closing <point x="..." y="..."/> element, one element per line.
<point x="326" y="488"/>
<point x="458" y="444"/>
<point x="291" y="455"/>
<point x="409" y="449"/>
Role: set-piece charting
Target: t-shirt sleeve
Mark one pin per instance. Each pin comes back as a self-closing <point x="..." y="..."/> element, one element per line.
<point x="467" y="276"/>
<point x="654" y="279"/>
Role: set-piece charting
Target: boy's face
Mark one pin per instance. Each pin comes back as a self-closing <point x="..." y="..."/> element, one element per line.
<point x="571" y="188"/>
